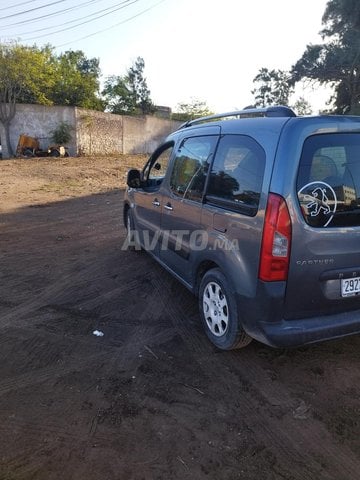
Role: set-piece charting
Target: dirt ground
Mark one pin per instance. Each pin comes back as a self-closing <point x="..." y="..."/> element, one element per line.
<point x="151" y="399"/>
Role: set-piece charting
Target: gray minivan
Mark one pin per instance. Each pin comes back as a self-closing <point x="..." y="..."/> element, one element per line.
<point x="257" y="212"/>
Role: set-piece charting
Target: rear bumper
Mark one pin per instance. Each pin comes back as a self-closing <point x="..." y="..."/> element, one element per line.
<point x="293" y="333"/>
<point x="264" y="320"/>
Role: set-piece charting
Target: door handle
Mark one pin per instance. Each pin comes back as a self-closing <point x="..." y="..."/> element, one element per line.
<point x="220" y="229"/>
<point x="168" y="206"/>
<point x="156" y="203"/>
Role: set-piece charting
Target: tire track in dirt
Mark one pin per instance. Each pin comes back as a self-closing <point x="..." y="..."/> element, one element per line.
<point x="307" y="443"/>
<point x="51" y="450"/>
<point x="127" y="357"/>
<point x="163" y="284"/>
<point x="60" y="289"/>
<point x="52" y="431"/>
<point x="20" y="462"/>
<point x="307" y="437"/>
<point x="52" y="373"/>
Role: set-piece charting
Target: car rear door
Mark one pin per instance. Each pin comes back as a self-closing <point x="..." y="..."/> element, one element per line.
<point x="324" y="270"/>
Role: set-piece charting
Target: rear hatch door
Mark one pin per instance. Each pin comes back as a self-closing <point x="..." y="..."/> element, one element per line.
<point x="324" y="270"/>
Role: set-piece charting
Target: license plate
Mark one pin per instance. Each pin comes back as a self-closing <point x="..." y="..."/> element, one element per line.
<point x="350" y="287"/>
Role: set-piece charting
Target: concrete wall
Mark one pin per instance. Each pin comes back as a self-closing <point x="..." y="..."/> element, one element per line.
<point x="94" y="133"/>
<point x="38" y="121"/>
<point x="144" y="134"/>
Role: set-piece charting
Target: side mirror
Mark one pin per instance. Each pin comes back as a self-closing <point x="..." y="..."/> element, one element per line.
<point x="133" y="178"/>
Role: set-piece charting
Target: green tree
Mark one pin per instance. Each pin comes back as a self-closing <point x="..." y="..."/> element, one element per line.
<point x="336" y="62"/>
<point x="340" y="16"/>
<point x="25" y="74"/>
<point x="302" y="107"/>
<point x="272" y="87"/>
<point x="76" y="81"/>
<point x="188" y="111"/>
<point x="118" y="98"/>
<point x="129" y="94"/>
<point x="138" y="87"/>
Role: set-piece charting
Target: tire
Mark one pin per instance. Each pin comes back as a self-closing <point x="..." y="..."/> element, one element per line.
<point x="131" y="235"/>
<point x="219" y="312"/>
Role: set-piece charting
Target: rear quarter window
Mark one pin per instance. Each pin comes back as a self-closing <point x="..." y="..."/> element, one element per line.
<point x="328" y="182"/>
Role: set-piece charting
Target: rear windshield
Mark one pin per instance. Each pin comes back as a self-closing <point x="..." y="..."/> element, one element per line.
<point x="328" y="182"/>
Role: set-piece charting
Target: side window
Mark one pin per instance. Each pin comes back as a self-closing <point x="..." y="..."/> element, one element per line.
<point x="158" y="164"/>
<point x="237" y="174"/>
<point x="191" y="166"/>
<point x="328" y="182"/>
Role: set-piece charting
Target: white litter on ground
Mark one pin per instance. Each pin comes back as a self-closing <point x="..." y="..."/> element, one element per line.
<point x="98" y="333"/>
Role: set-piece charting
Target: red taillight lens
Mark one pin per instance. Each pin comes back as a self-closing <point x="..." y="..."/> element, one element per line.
<point x="276" y="241"/>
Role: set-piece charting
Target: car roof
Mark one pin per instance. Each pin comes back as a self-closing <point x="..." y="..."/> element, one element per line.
<point x="265" y="125"/>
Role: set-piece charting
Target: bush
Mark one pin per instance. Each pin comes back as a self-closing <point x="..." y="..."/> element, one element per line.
<point x="61" y="134"/>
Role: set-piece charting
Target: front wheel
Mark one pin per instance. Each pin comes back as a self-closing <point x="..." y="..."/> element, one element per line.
<point x="219" y="312"/>
<point x="132" y="240"/>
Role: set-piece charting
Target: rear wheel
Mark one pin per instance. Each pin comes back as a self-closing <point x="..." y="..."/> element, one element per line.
<point x="219" y="312"/>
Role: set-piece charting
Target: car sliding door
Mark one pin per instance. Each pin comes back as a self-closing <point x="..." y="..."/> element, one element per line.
<point x="182" y="203"/>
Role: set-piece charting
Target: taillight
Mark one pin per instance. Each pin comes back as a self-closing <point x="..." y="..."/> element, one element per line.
<point x="276" y="241"/>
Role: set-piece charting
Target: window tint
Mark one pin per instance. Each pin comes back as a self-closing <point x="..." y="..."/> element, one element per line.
<point x="237" y="174"/>
<point x="328" y="182"/>
<point x="191" y="166"/>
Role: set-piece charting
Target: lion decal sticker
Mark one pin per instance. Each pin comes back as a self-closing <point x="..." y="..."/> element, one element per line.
<point x="318" y="202"/>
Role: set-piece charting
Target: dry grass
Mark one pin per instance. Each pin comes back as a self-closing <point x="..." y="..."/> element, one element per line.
<point x="53" y="179"/>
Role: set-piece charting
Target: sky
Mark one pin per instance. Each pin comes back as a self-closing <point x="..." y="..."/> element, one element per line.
<point x="208" y="50"/>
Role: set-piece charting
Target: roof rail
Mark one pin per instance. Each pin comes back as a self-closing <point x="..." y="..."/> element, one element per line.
<point x="276" y="111"/>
